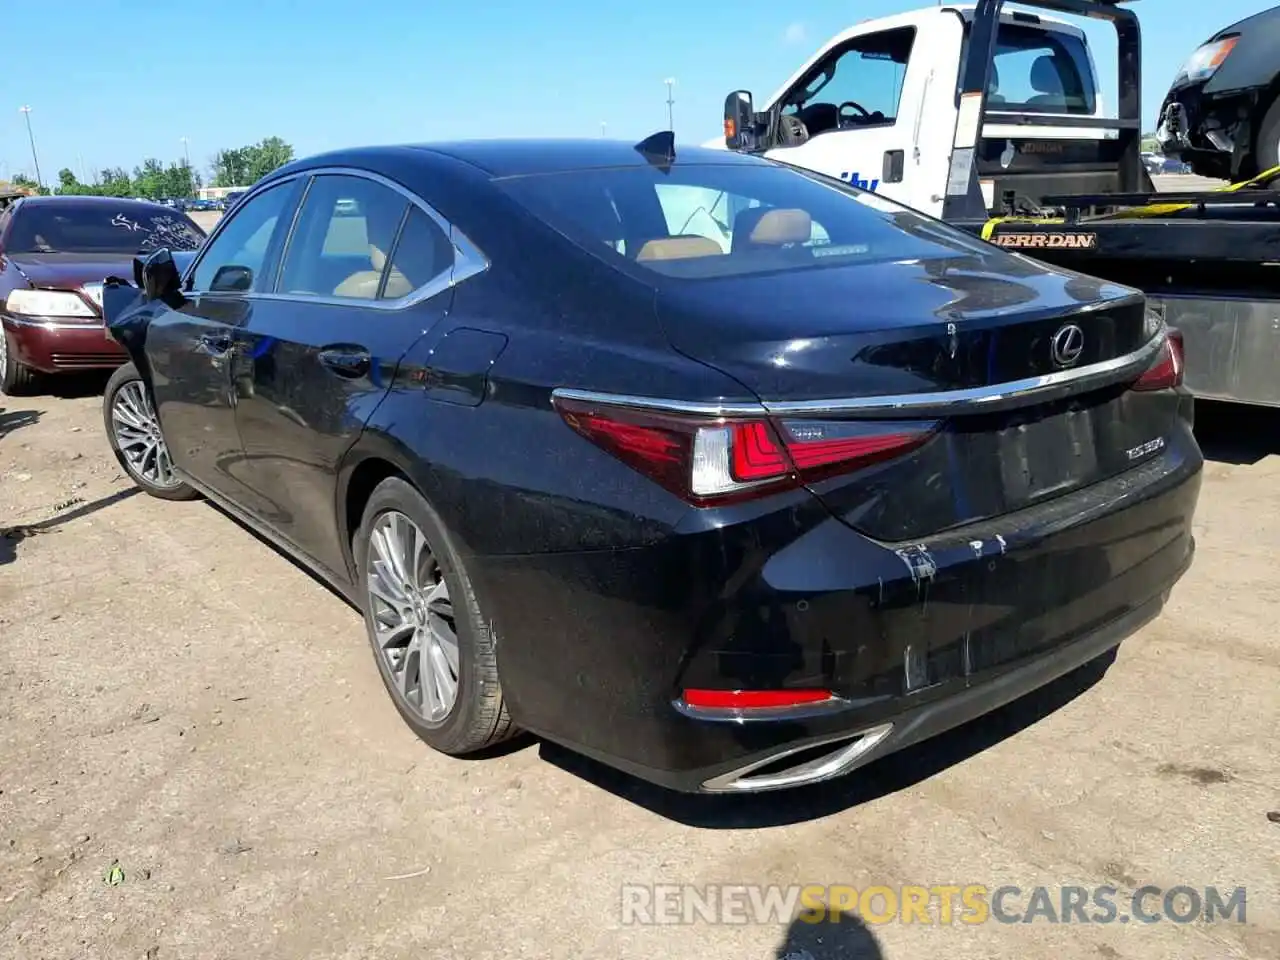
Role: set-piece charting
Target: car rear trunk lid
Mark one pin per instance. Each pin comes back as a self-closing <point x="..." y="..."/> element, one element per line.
<point x="1021" y="377"/>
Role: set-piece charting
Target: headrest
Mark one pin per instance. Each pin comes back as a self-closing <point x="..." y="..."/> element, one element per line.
<point x="993" y="81"/>
<point x="783" y="226"/>
<point x="1045" y="77"/>
<point x="679" y="248"/>
<point x="377" y="258"/>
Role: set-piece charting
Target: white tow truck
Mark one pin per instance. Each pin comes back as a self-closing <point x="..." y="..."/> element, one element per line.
<point x="878" y="106"/>
<point x="992" y="120"/>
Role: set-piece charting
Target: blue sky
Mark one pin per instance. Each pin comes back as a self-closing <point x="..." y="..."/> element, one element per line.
<point x="326" y="74"/>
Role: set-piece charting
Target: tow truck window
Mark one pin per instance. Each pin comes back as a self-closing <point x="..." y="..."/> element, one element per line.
<point x="858" y="85"/>
<point x="1041" y="71"/>
<point x="723" y="220"/>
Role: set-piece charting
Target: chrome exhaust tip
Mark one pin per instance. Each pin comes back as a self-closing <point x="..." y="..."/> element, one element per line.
<point x="799" y="766"/>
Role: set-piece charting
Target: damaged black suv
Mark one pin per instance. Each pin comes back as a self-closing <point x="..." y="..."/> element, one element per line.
<point x="1222" y="112"/>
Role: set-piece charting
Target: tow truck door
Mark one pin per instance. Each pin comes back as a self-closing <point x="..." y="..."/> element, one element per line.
<point x="903" y="76"/>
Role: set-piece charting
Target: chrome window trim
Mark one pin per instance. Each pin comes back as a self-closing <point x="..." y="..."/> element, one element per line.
<point x="935" y="404"/>
<point x="468" y="259"/>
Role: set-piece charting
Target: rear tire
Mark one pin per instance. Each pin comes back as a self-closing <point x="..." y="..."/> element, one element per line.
<point x="16" y="379"/>
<point x="436" y="652"/>
<point x="133" y="431"/>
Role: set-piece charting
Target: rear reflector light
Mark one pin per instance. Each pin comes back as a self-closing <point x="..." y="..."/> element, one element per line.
<point x="707" y="460"/>
<point x="1166" y="372"/>
<point x="753" y="699"/>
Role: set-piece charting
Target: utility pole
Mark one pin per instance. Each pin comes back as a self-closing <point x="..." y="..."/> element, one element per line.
<point x="26" y="112"/>
<point x="186" y="152"/>
<point x="671" y="104"/>
<point x="603" y="126"/>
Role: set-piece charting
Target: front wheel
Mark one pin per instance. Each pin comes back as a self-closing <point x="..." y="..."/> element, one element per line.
<point x="436" y="653"/>
<point x="15" y="378"/>
<point x="134" y="432"/>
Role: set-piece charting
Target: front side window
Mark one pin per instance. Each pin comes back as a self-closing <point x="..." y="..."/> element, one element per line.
<point x="859" y="85"/>
<point x="699" y="221"/>
<point x="343" y="237"/>
<point x="1041" y="71"/>
<point x="76" y="226"/>
<point x="236" y="258"/>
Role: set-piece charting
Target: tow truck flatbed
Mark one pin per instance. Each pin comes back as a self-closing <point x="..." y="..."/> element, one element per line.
<point x="1209" y="262"/>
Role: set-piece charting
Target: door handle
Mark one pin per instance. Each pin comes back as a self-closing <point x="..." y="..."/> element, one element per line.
<point x="348" y="362"/>
<point x="214" y="344"/>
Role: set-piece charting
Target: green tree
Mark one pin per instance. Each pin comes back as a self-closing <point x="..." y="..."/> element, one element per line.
<point x="149" y="179"/>
<point x="244" y="166"/>
<point x="115" y="182"/>
<point x="26" y="183"/>
<point x="267" y="155"/>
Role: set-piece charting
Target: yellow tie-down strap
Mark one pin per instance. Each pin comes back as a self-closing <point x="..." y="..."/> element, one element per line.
<point x="989" y="227"/>
<point x="1260" y="182"/>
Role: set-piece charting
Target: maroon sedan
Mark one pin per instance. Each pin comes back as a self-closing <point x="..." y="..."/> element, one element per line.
<point x="54" y="254"/>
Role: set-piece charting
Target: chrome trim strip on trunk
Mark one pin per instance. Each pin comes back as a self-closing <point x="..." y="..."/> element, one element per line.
<point x="937" y="404"/>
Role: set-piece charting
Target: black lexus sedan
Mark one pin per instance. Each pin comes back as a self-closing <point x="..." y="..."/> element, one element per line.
<point x="727" y="474"/>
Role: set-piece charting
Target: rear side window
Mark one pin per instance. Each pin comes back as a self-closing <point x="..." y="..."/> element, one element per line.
<point x="735" y="219"/>
<point x="342" y="238"/>
<point x="422" y="253"/>
<point x="1041" y="71"/>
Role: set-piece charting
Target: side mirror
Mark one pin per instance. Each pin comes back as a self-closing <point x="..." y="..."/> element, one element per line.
<point x="231" y="278"/>
<point x="739" y="121"/>
<point x="161" y="278"/>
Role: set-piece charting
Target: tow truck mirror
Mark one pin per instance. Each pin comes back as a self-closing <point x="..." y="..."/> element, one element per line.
<point x="739" y="121"/>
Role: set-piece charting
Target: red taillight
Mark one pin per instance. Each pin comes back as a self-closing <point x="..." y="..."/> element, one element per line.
<point x="707" y="460"/>
<point x="1166" y="372"/>
<point x="753" y="699"/>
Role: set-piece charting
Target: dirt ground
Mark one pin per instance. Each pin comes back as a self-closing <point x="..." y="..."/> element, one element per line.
<point x="180" y="702"/>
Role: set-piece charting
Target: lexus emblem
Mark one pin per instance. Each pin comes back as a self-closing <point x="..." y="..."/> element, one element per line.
<point x="1067" y="345"/>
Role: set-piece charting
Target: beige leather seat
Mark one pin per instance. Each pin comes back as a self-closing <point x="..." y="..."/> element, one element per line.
<point x="679" y="248"/>
<point x="364" y="285"/>
<point x="776" y="227"/>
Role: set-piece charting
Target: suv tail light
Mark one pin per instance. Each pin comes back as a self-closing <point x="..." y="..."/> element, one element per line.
<point x="714" y="460"/>
<point x="1166" y="372"/>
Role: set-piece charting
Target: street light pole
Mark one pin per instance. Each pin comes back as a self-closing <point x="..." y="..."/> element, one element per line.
<point x="671" y="102"/>
<point x="26" y="112"/>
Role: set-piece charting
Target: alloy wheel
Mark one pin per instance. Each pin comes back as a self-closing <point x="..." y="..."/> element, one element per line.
<point x="137" y="434"/>
<point x="412" y="614"/>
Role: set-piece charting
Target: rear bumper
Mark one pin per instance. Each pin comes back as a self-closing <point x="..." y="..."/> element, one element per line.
<point x="595" y="649"/>
<point x="51" y="345"/>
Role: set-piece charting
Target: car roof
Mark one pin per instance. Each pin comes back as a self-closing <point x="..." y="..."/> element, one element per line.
<point x="87" y="200"/>
<point x="516" y="157"/>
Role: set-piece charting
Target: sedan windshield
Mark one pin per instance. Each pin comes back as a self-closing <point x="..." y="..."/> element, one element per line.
<point x="100" y="228"/>
<point x="699" y="221"/>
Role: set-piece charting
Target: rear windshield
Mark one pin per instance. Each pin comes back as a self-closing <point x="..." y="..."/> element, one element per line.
<point x="1040" y="71"/>
<point x="703" y="221"/>
<point x="100" y="228"/>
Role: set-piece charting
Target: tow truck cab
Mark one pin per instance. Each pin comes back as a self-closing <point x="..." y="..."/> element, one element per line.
<point x="882" y="106"/>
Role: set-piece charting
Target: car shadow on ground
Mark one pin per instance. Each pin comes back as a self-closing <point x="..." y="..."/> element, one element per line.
<point x="11" y="420"/>
<point x="895" y="772"/>
<point x="74" y="386"/>
<point x="11" y="536"/>
<point x="1237" y="433"/>
<point x="833" y="936"/>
